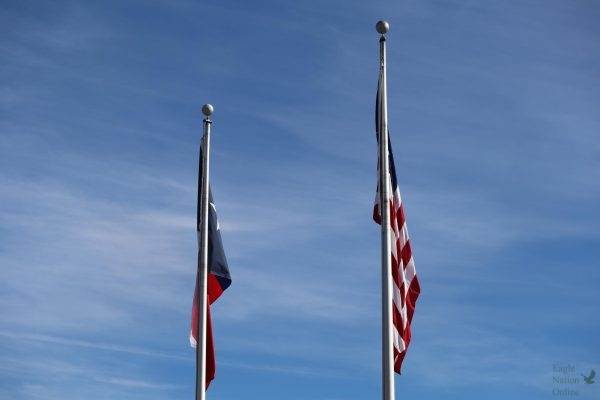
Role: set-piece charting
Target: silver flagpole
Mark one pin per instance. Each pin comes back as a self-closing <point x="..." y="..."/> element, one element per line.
<point x="387" y="338"/>
<point x="207" y="110"/>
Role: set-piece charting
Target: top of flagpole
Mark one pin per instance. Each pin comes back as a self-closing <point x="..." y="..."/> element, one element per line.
<point x="382" y="27"/>
<point x="207" y="110"/>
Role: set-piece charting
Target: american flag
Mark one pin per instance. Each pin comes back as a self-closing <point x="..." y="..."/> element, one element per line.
<point x="406" y="287"/>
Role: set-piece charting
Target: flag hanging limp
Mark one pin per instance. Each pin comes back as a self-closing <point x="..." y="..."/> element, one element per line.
<point x="406" y="287"/>
<point x="218" y="279"/>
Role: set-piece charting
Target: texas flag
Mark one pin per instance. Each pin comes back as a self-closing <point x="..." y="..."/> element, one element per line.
<point x="218" y="280"/>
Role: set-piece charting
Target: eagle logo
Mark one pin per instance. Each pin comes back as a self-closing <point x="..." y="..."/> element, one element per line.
<point x="589" y="379"/>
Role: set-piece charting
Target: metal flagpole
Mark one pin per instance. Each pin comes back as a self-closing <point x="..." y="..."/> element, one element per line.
<point x="387" y="338"/>
<point x="201" y="284"/>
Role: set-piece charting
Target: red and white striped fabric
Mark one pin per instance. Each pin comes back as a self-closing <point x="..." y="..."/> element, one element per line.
<point x="406" y="287"/>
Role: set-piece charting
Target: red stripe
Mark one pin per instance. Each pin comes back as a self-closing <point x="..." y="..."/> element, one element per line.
<point x="398" y="358"/>
<point x="400" y="215"/>
<point x="214" y="289"/>
<point x="211" y="362"/>
<point x="397" y="317"/>
<point x="406" y="254"/>
<point x="213" y="293"/>
<point x="413" y="294"/>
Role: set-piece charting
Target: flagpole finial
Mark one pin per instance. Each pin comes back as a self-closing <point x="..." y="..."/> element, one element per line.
<point x="382" y="27"/>
<point x="207" y="109"/>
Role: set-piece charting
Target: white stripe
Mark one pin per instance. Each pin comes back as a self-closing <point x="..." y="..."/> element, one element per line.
<point x="398" y="341"/>
<point x="396" y="296"/>
<point x="193" y="342"/>
<point x="397" y="197"/>
<point x="403" y="235"/>
<point x="398" y="304"/>
<point x="394" y="247"/>
<point x="410" y="272"/>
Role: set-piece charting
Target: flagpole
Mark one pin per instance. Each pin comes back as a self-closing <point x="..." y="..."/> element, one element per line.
<point x="202" y="224"/>
<point x="387" y="338"/>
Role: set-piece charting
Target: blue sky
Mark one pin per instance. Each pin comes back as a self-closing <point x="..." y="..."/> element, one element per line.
<point x="493" y="112"/>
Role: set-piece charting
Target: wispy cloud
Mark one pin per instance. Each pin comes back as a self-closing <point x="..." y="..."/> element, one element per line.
<point x="137" y="384"/>
<point x="77" y="246"/>
<point x="67" y="371"/>
<point x="48" y="339"/>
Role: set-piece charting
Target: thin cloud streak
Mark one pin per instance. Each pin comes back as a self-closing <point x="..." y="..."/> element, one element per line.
<point x="39" y="338"/>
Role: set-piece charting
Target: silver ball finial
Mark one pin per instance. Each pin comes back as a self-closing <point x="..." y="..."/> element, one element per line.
<point x="207" y="109"/>
<point x="382" y="27"/>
